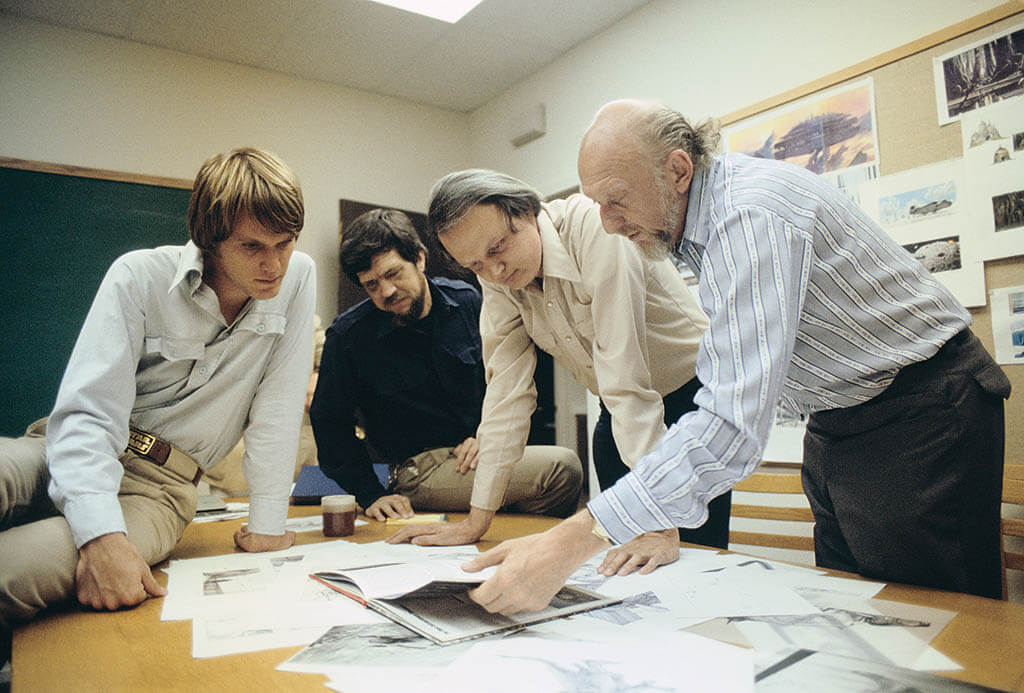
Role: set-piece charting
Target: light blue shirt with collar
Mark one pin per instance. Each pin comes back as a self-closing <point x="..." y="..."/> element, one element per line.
<point x="155" y="353"/>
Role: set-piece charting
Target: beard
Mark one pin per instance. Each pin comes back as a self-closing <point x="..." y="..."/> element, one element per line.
<point x="660" y="246"/>
<point x="669" y="210"/>
<point x="415" y="312"/>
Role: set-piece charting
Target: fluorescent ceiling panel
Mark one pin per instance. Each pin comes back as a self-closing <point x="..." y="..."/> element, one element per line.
<point x="449" y="11"/>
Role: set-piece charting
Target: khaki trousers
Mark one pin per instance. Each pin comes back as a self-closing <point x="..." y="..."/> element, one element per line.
<point x="546" y="481"/>
<point x="37" y="554"/>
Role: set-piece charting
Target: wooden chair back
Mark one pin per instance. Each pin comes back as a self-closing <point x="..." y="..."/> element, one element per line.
<point x="775" y="483"/>
<point x="1013" y="494"/>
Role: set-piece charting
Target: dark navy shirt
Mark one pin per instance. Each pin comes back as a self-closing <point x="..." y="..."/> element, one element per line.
<point x="411" y="388"/>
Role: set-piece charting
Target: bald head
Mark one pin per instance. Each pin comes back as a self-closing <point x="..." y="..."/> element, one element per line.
<point x="630" y="164"/>
<point x="649" y="129"/>
<point x="617" y="129"/>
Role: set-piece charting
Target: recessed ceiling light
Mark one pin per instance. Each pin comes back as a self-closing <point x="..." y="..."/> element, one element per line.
<point x="449" y="11"/>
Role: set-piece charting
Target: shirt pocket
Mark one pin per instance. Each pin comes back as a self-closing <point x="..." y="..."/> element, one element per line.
<point x="165" y="368"/>
<point x="175" y="348"/>
<point x="263" y="323"/>
<point x="583" y="324"/>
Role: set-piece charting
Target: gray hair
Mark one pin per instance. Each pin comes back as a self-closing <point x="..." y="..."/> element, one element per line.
<point x="664" y="130"/>
<point x="454" y="195"/>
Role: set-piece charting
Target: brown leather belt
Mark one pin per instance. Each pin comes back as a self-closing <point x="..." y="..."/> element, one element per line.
<point x="164" y="454"/>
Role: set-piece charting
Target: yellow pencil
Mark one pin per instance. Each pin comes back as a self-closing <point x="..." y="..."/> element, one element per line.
<point x="418" y="519"/>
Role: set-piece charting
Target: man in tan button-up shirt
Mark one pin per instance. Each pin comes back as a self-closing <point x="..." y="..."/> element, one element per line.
<point x="624" y="324"/>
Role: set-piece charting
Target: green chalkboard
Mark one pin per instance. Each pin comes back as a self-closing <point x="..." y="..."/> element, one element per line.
<point x="61" y="232"/>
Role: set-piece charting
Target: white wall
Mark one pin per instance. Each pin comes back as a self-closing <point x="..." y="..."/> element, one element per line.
<point x="75" y="98"/>
<point x="706" y="58"/>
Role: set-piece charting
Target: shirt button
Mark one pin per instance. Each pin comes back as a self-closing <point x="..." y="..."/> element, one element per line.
<point x="568" y="338"/>
<point x="261" y="328"/>
<point x="203" y="369"/>
<point x="551" y="304"/>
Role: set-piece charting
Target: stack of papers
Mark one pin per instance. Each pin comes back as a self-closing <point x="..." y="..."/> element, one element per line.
<point x="707" y="614"/>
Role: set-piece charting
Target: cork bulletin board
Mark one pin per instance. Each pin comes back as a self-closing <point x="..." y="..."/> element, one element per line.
<point x="909" y="136"/>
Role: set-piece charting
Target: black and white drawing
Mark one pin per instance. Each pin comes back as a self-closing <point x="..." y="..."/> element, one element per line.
<point x="981" y="75"/>
<point x="937" y="254"/>
<point x="1008" y="210"/>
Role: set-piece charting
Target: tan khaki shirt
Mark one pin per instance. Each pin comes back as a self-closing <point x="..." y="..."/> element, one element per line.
<point x="625" y="326"/>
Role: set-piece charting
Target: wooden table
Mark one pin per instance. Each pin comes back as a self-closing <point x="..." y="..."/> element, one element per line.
<point x="134" y="650"/>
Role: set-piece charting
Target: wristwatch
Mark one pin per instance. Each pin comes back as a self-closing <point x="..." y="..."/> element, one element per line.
<point x="598" y="531"/>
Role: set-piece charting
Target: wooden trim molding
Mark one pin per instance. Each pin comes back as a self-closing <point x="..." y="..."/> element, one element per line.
<point x="104" y="174"/>
<point x="922" y="44"/>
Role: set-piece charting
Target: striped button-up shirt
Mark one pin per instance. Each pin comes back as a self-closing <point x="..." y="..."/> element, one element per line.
<point x="810" y="304"/>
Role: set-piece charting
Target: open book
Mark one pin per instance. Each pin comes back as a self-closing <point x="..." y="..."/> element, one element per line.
<point x="429" y="598"/>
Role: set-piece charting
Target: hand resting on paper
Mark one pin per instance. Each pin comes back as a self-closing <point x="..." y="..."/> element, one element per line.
<point x="467" y="531"/>
<point x="646" y="552"/>
<point x="256" y="543"/>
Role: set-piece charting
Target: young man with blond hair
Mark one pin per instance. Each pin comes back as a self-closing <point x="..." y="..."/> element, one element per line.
<point x="185" y="350"/>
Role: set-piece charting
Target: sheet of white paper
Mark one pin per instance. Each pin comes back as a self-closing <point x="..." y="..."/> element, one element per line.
<point x="672" y="662"/>
<point x="997" y="197"/>
<point x="377" y="680"/>
<point x="246" y="631"/>
<point x="801" y="670"/>
<point x="927" y="210"/>
<point x="311" y="523"/>
<point x="233" y="511"/>
<point x="226" y="581"/>
<point x="719" y="588"/>
<point x="353" y="653"/>
<point x="243" y="579"/>
<point x="300" y="611"/>
<point x="1007" y="309"/>
<point x="874" y="630"/>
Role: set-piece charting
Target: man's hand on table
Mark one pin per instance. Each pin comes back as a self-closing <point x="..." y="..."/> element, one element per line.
<point x="256" y="543"/>
<point x="395" y="505"/>
<point x="646" y="552"/>
<point x="465" y="455"/>
<point x="111" y="574"/>
<point x="466" y="531"/>
<point x="533" y="568"/>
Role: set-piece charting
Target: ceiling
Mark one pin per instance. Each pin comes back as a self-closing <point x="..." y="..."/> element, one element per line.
<point x="354" y="43"/>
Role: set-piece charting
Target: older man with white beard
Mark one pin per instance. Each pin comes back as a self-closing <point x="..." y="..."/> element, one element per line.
<point x="810" y="304"/>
